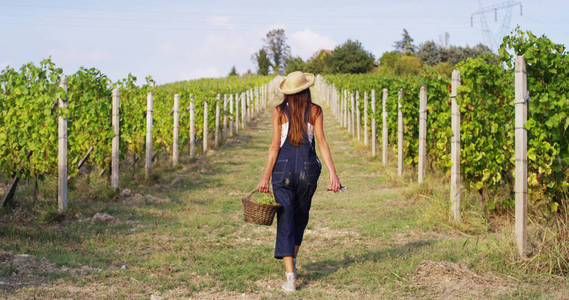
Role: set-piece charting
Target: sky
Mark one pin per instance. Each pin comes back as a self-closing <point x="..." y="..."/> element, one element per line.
<point x="180" y="40"/>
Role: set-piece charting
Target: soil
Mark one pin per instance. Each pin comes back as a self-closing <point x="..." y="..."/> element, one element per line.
<point x="18" y="270"/>
<point x="448" y="280"/>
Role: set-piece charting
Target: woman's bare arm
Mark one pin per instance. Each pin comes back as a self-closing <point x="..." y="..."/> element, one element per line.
<point x="263" y="185"/>
<point x="325" y="152"/>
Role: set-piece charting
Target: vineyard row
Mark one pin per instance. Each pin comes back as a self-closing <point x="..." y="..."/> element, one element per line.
<point x="53" y="124"/>
<point x="351" y="112"/>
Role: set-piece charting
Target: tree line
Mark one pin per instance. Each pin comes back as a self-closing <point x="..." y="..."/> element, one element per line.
<point x="405" y="59"/>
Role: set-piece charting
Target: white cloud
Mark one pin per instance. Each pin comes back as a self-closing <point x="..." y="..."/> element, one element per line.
<point x="223" y="22"/>
<point x="211" y="56"/>
<point x="305" y="43"/>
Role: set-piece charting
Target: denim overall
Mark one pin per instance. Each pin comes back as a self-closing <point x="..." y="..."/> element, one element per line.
<point x="294" y="179"/>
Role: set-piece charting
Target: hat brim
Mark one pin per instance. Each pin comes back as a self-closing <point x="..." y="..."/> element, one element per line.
<point x="309" y="83"/>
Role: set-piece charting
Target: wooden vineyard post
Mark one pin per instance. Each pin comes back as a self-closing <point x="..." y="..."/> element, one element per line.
<point x="148" y="157"/>
<point x="237" y="113"/>
<point x="373" y="125"/>
<point x="337" y="100"/>
<point x="224" y="131"/>
<point x="346" y="110"/>
<point x="349" y="111"/>
<point x="521" y="138"/>
<point x="231" y="114"/>
<point x="176" y="129"/>
<point x="257" y="100"/>
<point x="341" y="112"/>
<point x="249" y="106"/>
<point x="115" y="141"/>
<point x="455" y="148"/>
<point x="384" y="132"/>
<point x="264" y="96"/>
<point x="366" y="140"/>
<point x="338" y="113"/>
<point x="62" y="150"/>
<point x="352" y="117"/>
<point x="422" y="132"/>
<point x="205" y="126"/>
<point x="246" y="111"/>
<point x="243" y="110"/>
<point x="358" y="117"/>
<point x="217" y="111"/>
<point x="192" y="126"/>
<point x="400" y="134"/>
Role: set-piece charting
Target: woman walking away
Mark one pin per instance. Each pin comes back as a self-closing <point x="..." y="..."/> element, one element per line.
<point x="294" y="166"/>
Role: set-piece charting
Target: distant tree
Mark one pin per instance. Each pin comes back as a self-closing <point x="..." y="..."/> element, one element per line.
<point x="315" y="66"/>
<point x="263" y="62"/>
<point x="233" y="72"/>
<point x="389" y="60"/>
<point x="430" y="53"/>
<point x="399" y="64"/>
<point x="293" y="64"/>
<point x="456" y="54"/>
<point x="317" y="63"/>
<point x="405" y="45"/>
<point x="277" y="49"/>
<point x="349" y="57"/>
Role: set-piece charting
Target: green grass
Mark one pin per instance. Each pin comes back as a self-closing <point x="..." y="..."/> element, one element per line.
<point x="362" y="243"/>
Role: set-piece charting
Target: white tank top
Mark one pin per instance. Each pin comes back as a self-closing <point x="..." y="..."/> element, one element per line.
<point x="284" y="132"/>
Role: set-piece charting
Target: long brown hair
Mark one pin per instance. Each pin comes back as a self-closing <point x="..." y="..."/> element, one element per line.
<point x="297" y="104"/>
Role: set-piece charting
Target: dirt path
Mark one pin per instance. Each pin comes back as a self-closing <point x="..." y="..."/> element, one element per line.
<point x="368" y="242"/>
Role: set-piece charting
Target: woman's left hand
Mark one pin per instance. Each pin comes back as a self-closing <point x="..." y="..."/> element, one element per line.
<point x="263" y="186"/>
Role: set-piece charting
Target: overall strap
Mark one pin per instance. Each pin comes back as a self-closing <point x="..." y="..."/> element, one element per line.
<point x="287" y="114"/>
<point x="306" y="117"/>
<point x="307" y="113"/>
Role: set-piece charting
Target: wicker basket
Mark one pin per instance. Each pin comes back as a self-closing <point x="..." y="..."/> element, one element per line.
<point x="258" y="213"/>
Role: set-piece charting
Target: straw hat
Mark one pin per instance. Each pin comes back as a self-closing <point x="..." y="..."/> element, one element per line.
<point x="296" y="82"/>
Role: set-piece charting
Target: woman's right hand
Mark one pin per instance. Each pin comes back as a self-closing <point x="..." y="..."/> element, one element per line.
<point x="334" y="183"/>
<point x="263" y="186"/>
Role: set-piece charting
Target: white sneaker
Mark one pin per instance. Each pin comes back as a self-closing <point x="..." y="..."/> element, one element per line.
<point x="290" y="284"/>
